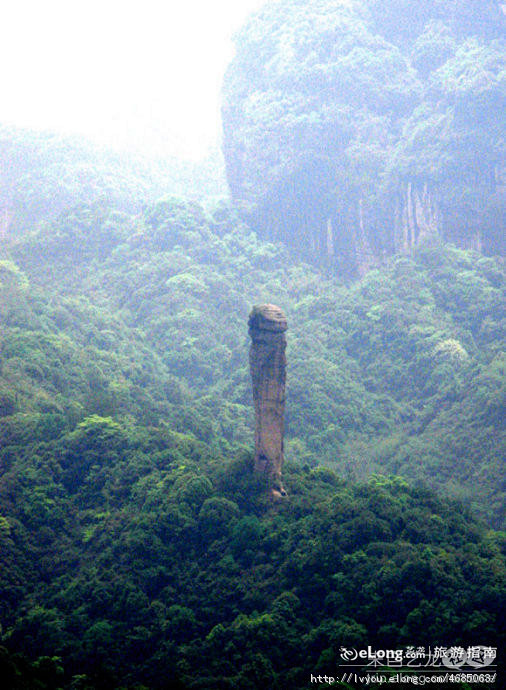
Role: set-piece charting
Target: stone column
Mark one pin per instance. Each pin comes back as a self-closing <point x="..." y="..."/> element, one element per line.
<point x="267" y="326"/>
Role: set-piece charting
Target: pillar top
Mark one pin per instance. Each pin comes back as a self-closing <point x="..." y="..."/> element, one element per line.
<point x="267" y="317"/>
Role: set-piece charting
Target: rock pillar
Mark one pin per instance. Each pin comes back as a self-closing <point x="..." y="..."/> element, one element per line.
<point x="267" y="326"/>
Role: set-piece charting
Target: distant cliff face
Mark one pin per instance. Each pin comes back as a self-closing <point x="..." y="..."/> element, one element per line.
<point x="267" y="327"/>
<point x="353" y="130"/>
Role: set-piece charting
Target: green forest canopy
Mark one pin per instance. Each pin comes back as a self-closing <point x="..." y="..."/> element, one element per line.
<point x="357" y="128"/>
<point x="138" y="548"/>
<point x="136" y="541"/>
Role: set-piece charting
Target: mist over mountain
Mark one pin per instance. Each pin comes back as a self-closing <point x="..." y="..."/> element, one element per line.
<point x="43" y="173"/>
<point x="358" y="129"/>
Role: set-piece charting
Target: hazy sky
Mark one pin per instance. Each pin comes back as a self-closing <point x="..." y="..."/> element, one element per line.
<point x="142" y="73"/>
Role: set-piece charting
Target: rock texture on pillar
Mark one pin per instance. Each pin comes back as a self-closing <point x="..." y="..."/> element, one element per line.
<point x="267" y="326"/>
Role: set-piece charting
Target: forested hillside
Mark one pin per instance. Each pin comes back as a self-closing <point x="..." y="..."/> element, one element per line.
<point x="400" y="372"/>
<point x="361" y="127"/>
<point x="139" y="549"/>
<point x="44" y="173"/>
<point x="136" y="540"/>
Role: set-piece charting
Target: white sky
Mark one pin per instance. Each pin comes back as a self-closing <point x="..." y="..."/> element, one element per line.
<point x="128" y="73"/>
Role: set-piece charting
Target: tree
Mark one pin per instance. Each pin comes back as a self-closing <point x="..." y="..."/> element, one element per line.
<point x="325" y="103"/>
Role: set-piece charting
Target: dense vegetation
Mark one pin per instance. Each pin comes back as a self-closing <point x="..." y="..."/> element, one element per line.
<point x="136" y="543"/>
<point x="146" y="317"/>
<point x="138" y="548"/>
<point x="359" y="127"/>
<point x="159" y="564"/>
<point x="44" y="173"/>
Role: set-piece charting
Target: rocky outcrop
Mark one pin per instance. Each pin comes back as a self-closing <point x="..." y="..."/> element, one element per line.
<point x="267" y="327"/>
<point x="417" y="219"/>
